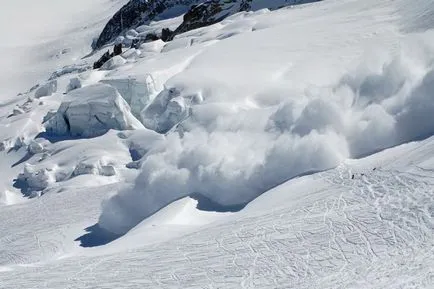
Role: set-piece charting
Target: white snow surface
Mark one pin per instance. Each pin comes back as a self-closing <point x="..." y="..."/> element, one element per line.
<point x="91" y="111"/>
<point x="283" y="149"/>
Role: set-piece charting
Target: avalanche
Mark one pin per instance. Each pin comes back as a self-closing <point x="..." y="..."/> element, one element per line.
<point x="231" y="144"/>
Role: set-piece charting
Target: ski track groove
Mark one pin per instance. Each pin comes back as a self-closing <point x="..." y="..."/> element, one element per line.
<point x="365" y="225"/>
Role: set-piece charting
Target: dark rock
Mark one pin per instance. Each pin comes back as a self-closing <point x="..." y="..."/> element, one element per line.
<point x="202" y="15"/>
<point x="198" y="13"/>
<point x="210" y="12"/>
<point x="137" y="12"/>
<point x="166" y="34"/>
<point x="104" y="58"/>
<point x="136" y="43"/>
<point x="151" y="37"/>
<point x="117" y="50"/>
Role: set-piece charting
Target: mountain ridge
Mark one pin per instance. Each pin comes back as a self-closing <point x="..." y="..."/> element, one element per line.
<point x="198" y="13"/>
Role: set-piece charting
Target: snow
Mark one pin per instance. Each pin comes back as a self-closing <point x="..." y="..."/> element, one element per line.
<point x="234" y="144"/>
<point x="114" y="63"/>
<point x="45" y="36"/>
<point x="137" y="92"/>
<point x="91" y="111"/>
<point x="46" y="89"/>
<point x="275" y="149"/>
<point x="337" y="231"/>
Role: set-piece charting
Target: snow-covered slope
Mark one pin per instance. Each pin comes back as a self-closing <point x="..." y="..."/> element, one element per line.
<point x="321" y="231"/>
<point x="197" y="13"/>
<point x="39" y="37"/>
<point x="274" y="149"/>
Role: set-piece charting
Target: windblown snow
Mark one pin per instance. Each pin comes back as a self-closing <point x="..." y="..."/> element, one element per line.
<point x="290" y="148"/>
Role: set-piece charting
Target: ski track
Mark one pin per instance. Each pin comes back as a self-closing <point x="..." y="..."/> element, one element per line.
<point x="373" y="230"/>
<point x="379" y="224"/>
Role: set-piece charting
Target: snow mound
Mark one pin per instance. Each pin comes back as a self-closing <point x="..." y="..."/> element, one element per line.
<point x="37" y="179"/>
<point x="74" y="83"/>
<point x="89" y="168"/>
<point x="51" y="164"/>
<point x="37" y="146"/>
<point x="114" y="63"/>
<point x="46" y="89"/>
<point x="91" y="111"/>
<point x="168" y="109"/>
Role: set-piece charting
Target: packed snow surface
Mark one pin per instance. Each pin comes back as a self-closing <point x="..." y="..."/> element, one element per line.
<point x="275" y="149"/>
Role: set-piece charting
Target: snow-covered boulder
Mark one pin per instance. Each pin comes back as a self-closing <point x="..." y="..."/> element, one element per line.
<point x="153" y="47"/>
<point x="107" y="171"/>
<point x="17" y="111"/>
<point x="35" y="178"/>
<point x="132" y="33"/>
<point x="74" y="83"/>
<point x="166" y="110"/>
<point x="114" y="62"/>
<point x="91" y="111"/>
<point x="142" y="28"/>
<point x="85" y="168"/>
<point x="37" y="146"/>
<point x="92" y="167"/>
<point x="119" y="40"/>
<point x="131" y="54"/>
<point x="46" y="89"/>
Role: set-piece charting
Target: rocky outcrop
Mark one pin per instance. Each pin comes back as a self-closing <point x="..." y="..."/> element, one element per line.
<point x="198" y="13"/>
<point x="210" y="12"/>
<point x="103" y="59"/>
<point x="138" y="12"/>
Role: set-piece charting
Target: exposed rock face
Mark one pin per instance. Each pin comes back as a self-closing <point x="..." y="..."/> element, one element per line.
<point x="117" y="50"/>
<point x="103" y="59"/>
<point x="198" y="13"/>
<point x="210" y="12"/>
<point x="137" y="12"/>
<point x="166" y="34"/>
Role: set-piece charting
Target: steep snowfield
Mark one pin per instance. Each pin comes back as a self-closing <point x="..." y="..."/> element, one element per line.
<point x="284" y="149"/>
<point x="38" y="37"/>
